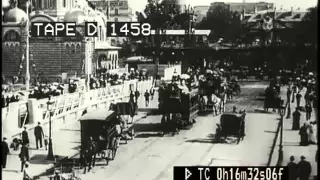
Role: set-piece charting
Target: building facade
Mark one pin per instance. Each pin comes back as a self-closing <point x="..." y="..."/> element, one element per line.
<point x="200" y="12"/>
<point x="248" y="8"/>
<point x="115" y="10"/>
<point x="52" y="56"/>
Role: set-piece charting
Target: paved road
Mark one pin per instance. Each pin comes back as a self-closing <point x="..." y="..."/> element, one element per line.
<point x="152" y="157"/>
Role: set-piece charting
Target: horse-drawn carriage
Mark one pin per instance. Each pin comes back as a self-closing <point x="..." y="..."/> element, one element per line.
<point x="179" y="106"/>
<point x="102" y="130"/>
<point x="212" y="91"/>
<point x="100" y="135"/>
<point x="231" y="125"/>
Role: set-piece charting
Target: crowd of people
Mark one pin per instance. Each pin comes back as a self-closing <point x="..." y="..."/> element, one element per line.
<point x="9" y="97"/>
<point x="41" y="91"/>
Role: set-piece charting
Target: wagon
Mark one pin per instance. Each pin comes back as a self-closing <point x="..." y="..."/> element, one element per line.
<point x="231" y="125"/>
<point x="101" y="126"/>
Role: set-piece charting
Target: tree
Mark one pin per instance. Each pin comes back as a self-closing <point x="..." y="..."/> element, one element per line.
<point x="308" y="27"/>
<point x="165" y="14"/>
<point x="222" y="23"/>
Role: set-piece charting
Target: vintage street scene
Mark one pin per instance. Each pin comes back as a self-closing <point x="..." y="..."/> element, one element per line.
<point x="161" y="83"/>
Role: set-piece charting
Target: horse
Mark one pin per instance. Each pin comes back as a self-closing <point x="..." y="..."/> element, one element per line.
<point x="213" y="101"/>
<point x="169" y="125"/>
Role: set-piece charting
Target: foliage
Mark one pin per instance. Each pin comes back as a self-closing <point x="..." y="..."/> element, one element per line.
<point x="166" y="15"/>
<point x="308" y="27"/>
<point x="222" y="23"/>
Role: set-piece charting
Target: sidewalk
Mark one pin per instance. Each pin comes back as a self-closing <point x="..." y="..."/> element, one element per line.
<point x="66" y="143"/>
<point x="291" y="141"/>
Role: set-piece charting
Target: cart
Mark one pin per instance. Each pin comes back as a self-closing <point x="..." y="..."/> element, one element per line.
<point x="232" y="125"/>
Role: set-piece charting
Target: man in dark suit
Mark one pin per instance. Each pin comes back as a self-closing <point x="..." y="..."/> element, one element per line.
<point x="293" y="169"/>
<point x="5" y="152"/>
<point x="25" y="136"/>
<point x="304" y="169"/>
<point x="38" y="133"/>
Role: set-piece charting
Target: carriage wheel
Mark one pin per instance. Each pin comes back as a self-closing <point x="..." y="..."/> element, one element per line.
<point x="132" y="134"/>
<point x="115" y="147"/>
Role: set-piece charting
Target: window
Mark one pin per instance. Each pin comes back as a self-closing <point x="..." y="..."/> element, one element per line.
<point x="12" y="36"/>
<point x="115" y="19"/>
<point x="67" y="48"/>
<point x="116" y="11"/>
<point x="51" y="4"/>
<point x="73" y="49"/>
<point x="64" y="4"/>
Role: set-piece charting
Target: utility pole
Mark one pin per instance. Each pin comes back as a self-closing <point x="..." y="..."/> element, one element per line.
<point x="27" y="50"/>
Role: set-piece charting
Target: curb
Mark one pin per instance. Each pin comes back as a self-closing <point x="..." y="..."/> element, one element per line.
<point x="274" y="144"/>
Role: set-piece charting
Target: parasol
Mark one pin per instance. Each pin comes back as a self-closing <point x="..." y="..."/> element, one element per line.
<point x="144" y="69"/>
<point x="208" y="71"/>
<point x="131" y="69"/>
<point x="310" y="74"/>
<point x="185" y="76"/>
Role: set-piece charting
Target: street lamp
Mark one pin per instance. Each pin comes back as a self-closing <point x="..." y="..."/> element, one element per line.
<point x="282" y="113"/>
<point x="50" y="103"/>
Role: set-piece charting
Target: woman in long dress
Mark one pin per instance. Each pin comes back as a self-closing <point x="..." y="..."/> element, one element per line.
<point x="311" y="134"/>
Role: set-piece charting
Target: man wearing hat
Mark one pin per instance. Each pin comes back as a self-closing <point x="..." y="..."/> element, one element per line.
<point x="293" y="169"/>
<point x="5" y="152"/>
<point x="304" y="169"/>
<point x="298" y="96"/>
<point x="25" y="136"/>
<point x="24" y="155"/>
<point x="38" y="133"/>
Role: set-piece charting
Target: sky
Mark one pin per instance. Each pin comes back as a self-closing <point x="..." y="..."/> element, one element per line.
<point x="138" y="5"/>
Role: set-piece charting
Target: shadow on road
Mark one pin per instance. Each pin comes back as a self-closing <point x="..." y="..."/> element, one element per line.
<point x="266" y="131"/>
<point x="154" y="127"/>
<point x="39" y="159"/>
<point x="147" y="135"/>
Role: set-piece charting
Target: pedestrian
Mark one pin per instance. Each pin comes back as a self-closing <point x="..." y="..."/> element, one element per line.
<point x="304" y="141"/>
<point x="137" y="95"/>
<point x="296" y="119"/>
<point x="293" y="169"/>
<point x="308" y="111"/>
<point x="131" y="99"/>
<point x="289" y="91"/>
<point x="147" y="96"/>
<point x="5" y="152"/>
<point x="25" y="136"/>
<point x="152" y="91"/>
<point x="304" y="169"/>
<point x="26" y="174"/>
<point x="24" y="155"/>
<point x="38" y="133"/>
<point x="294" y="91"/>
<point x="311" y="134"/>
<point x="298" y="96"/>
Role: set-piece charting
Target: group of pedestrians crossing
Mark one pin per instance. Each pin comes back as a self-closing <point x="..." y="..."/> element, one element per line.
<point x="148" y="94"/>
<point x="7" y="98"/>
<point x="24" y="144"/>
